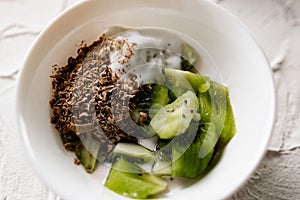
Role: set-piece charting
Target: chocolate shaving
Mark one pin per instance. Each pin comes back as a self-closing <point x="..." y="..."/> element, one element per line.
<point x="89" y="98"/>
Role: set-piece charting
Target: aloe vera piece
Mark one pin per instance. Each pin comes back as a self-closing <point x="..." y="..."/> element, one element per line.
<point x="129" y="180"/>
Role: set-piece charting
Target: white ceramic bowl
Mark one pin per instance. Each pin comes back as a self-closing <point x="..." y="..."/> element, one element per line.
<point x="242" y="64"/>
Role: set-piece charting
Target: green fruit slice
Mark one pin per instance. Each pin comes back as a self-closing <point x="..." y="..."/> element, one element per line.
<point x="189" y="57"/>
<point x="176" y="82"/>
<point x="187" y="162"/>
<point x="174" y="118"/>
<point x="133" y="152"/>
<point x="130" y="180"/>
<point x="187" y="80"/>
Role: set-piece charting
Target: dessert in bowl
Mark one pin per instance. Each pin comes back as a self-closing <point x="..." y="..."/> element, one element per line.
<point x="211" y="33"/>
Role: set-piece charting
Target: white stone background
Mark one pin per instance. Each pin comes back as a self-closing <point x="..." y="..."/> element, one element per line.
<point x="274" y="23"/>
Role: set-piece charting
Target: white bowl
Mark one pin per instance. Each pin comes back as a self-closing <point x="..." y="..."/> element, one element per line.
<point x="240" y="61"/>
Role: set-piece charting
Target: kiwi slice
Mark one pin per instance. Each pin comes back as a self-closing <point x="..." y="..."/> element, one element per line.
<point x="129" y="180"/>
<point x="174" y="118"/>
<point x="185" y="80"/>
<point x="186" y="159"/>
<point x="133" y="152"/>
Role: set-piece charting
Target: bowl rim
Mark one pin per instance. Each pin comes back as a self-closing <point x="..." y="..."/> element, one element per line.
<point x="273" y="103"/>
<point x="22" y="77"/>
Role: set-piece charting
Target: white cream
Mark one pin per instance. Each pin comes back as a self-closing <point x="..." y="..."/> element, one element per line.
<point x="153" y="49"/>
